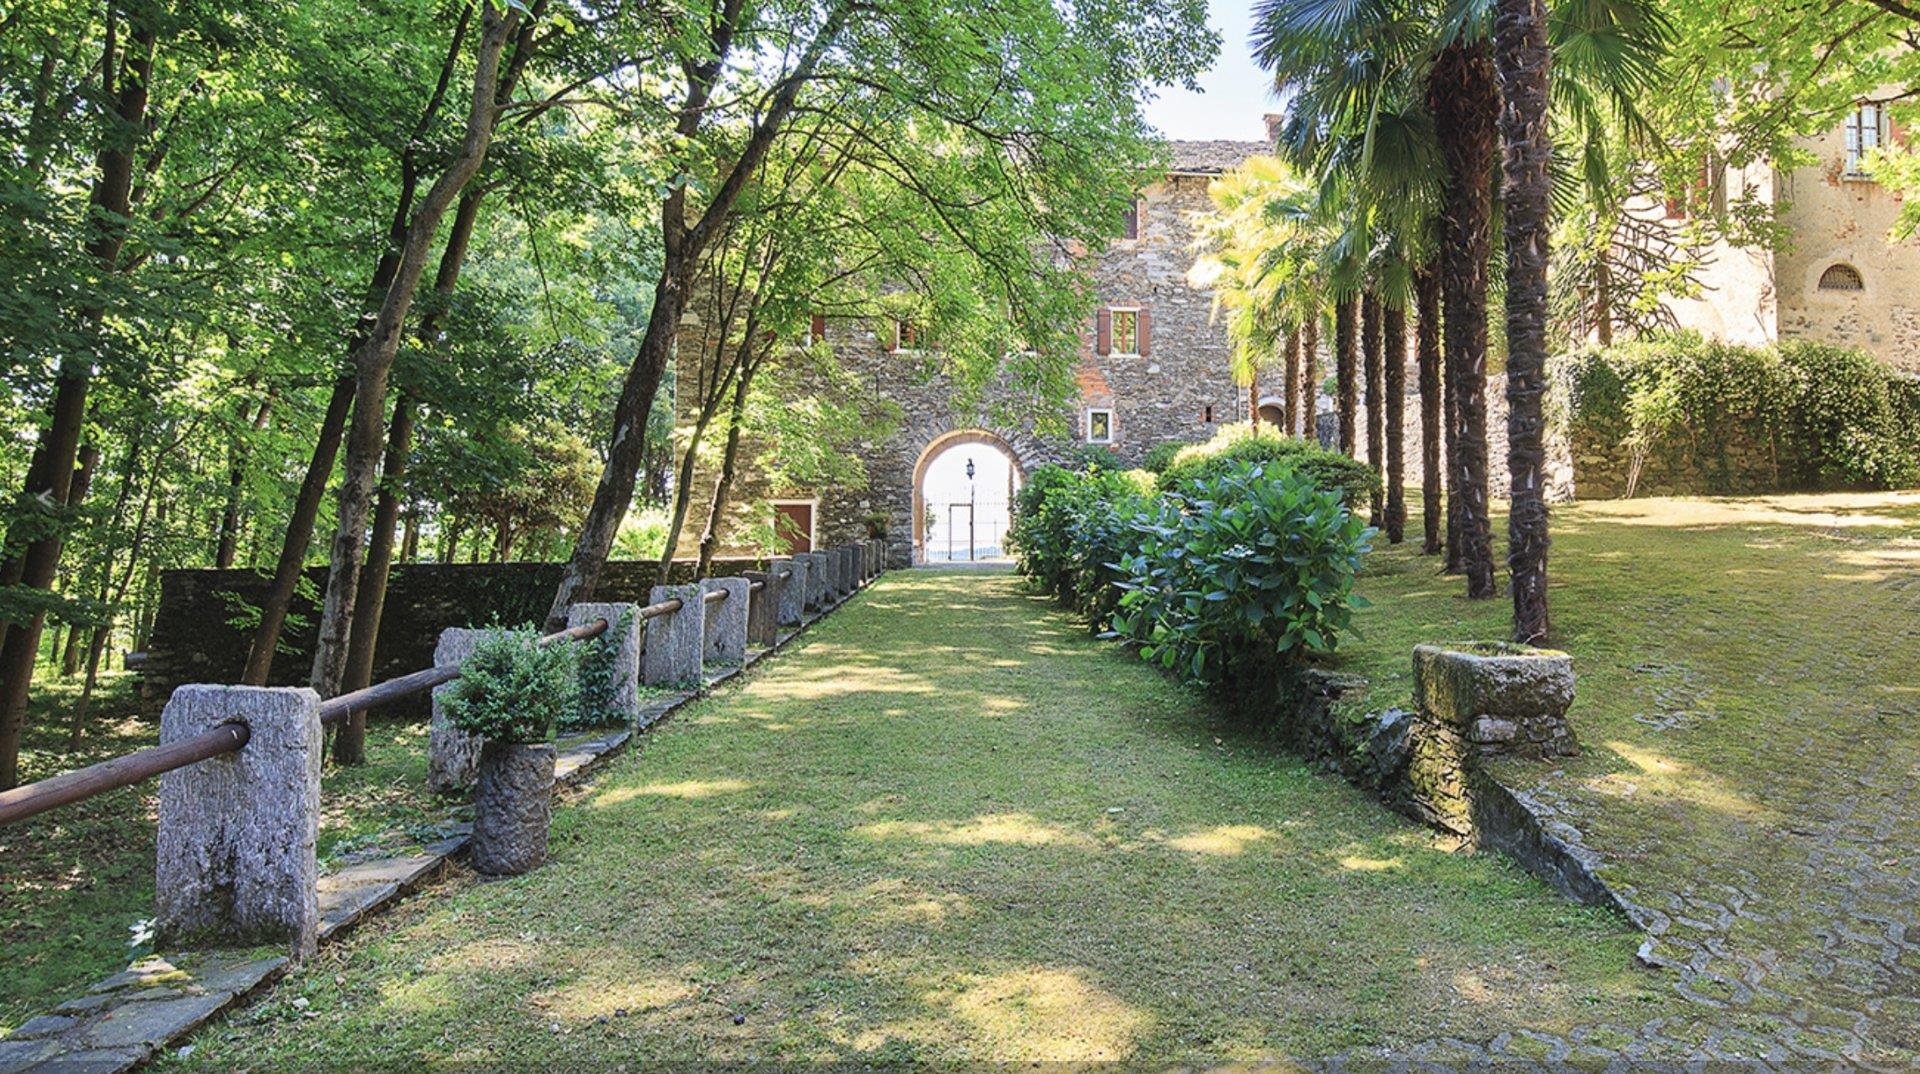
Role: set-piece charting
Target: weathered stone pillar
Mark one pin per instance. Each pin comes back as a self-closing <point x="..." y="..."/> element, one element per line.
<point x="453" y="756"/>
<point x="1472" y="701"/>
<point x="675" y="641"/>
<point x="816" y="579"/>
<point x="849" y="568"/>
<point x="727" y="620"/>
<point x="623" y="636"/>
<point x="876" y="557"/>
<point x="793" y="595"/>
<point x="763" y="608"/>
<point x="234" y="864"/>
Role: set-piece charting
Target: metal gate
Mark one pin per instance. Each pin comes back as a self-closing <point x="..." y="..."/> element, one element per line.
<point x="967" y="531"/>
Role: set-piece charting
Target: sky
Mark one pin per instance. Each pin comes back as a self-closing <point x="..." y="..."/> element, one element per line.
<point x="1234" y="95"/>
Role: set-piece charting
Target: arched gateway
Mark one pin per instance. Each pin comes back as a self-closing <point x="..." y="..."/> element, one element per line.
<point x="963" y="487"/>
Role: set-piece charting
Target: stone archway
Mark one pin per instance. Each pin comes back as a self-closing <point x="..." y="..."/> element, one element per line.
<point x="938" y="447"/>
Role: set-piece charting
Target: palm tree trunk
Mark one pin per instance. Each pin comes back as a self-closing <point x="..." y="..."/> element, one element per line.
<point x="1346" y="376"/>
<point x="1394" y="324"/>
<point x="1310" y="378"/>
<point x="1370" y="330"/>
<point x="1426" y="290"/>
<point x="1521" y="54"/>
<point x="1465" y="103"/>
<point x="1290" y="395"/>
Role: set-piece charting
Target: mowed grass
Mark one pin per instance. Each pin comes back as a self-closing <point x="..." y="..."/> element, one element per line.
<point x="951" y="825"/>
<point x="76" y="884"/>
<point x="1748" y="706"/>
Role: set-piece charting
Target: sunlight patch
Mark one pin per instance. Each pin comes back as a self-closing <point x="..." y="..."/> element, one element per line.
<point x="1221" y="840"/>
<point x="693" y="788"/>
<point x="1360" y="864"/>
<point x="598" y="997"/>
<point x="1044" y="1014"/>
<point x="1012" y="829"/>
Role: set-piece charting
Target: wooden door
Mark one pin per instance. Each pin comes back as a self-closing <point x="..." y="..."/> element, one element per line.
<point x="793" y="524"/>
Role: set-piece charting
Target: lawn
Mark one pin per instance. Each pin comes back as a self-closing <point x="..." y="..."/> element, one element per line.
<point x="950" y="825"/>
<point x="1749" y="708"/>
<point x="76" y="884"/>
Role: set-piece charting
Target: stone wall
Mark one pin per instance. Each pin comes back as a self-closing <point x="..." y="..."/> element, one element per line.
<point x="194" y="640"/>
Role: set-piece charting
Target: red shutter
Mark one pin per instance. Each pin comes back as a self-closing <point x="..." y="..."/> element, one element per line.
<point x="818" y="331"/>
<point x="1140" y="320"/>
<point x="1103" y="331"/>
<point x="1133" y="220"/>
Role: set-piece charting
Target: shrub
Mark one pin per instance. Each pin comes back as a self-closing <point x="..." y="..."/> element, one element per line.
<point x="1244" y="570"/>
<point x="1238" y="444"/>
<point x="1069" y="526"/>
<point x="1160" y="456"/>
<point x="512" y="689"/>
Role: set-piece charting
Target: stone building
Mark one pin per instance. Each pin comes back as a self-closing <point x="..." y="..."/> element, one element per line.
<point x="1153" y="369"/>
<point x="1840" y="278"/>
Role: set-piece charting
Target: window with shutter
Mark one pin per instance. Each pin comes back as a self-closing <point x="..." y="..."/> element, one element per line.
<point x="1125" y="338"/>
<point x="1131" y="228"/>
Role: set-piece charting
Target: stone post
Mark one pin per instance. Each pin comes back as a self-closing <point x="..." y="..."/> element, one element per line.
<point x="849" y="568"/>
<point x="675" y="641"/>
<point x="876" y="557"/>
<point x="623" y="634"/>
<point x="453" y="756"/>
<point x="234" y="864"/>
<point x="763" y="609"/>
<point x="793" y="591"/>
<point x="727" y="620"/>
<point x="816" y="579"/>
<point x="836" y="574"/>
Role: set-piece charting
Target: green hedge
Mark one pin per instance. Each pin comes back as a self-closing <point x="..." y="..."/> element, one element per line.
<point x="1790" y="415"/>
<point x="1235" y="445"/>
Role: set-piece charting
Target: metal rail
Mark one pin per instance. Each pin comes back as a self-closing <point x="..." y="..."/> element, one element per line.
<point x="127" y="769"/>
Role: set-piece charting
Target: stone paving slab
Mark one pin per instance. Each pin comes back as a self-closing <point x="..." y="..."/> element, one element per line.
<point x="125" y="1018"/>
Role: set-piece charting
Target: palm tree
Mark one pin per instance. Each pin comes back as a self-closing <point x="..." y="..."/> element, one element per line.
<point x="1426" y="286"/>
<point x="1346" y="387"/>
<point x="1375" y="371"/>
<point x="1387" y="74"/>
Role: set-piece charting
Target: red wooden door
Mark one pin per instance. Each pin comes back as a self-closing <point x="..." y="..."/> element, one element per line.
<point x="793" y="523"/>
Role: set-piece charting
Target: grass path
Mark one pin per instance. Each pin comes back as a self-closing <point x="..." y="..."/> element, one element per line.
<point x="949" y="825"/>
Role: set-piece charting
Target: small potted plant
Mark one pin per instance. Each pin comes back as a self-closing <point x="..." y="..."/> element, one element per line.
<point x="511" y="692"/>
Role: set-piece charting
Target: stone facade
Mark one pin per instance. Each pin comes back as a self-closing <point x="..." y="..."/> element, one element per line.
<point x="1173" y="385"/>
<point x="1833" y="217"/>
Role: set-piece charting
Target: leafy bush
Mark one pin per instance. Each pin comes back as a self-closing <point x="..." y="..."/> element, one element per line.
<point x="1238" y="444"/>
<point x="1249" y="568"/>
<point x="512" y="689"/>
<point x="1792" y="415"/>
<point x="1160" y="456"/>
<point x="1070" y="526"/>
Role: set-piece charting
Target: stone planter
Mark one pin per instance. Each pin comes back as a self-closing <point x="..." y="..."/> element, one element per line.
<point x="512" y="807"/>
<point x="1500" y="697"/>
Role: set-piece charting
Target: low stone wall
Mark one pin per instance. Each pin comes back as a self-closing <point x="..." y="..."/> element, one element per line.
<point x="1473" y="706"/>
<point x="194" y="639"/>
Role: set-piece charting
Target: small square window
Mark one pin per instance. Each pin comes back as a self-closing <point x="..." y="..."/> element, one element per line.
<point x="1206" y="414"/>
<point x="1099" y="426"/>
<point x="909" y="336"/>
<point x="1126" y="331"/>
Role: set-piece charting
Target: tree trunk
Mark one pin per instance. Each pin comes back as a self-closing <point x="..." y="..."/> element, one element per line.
<point x="1603" y="299"/>
<point x="350" y="740"/>
<point x="410" y="543"/>
<point x="1370" y="329"/>
<point x="682" y="250"/>
<point x="729" y="460"/>
<point x="108" y="205"/>
<point x="1521" y="54"/>
<point x="1310" y="378"/>
<point x="1426" y="289"/>
<point x="1394" y="323"/>
<point x="228" y="543"/>
<point x="300" y="525"/>
<point x="373" y="362"/>
<point x="1346" y="375"/>
<point x="1290" y="401"/>
<point x="1465" y="103"/>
